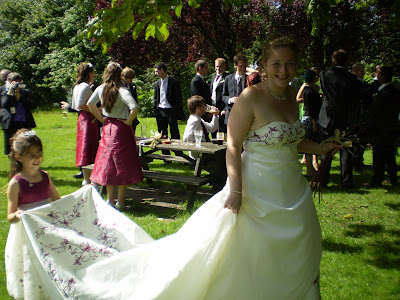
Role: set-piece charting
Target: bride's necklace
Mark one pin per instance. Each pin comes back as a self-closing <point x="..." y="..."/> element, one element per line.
<point x="275" y="96"/>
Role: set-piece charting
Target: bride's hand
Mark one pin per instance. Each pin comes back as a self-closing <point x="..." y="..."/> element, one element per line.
<point x="329" y="147"/>
<point x="233" y="202"/>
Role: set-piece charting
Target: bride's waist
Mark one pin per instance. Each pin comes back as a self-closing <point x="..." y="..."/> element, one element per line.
<point x="280" y="154"/>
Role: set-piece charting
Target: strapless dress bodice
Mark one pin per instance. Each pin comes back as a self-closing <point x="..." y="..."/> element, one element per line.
<point x="277" y="133"/>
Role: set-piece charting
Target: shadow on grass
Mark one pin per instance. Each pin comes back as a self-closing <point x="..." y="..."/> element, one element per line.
<point x="334" y="189"/>
<point x="328" y="245"/>
<point x="4" y="174"/>
<point x="395" y="232"/>
<point x="360" y="230"/>
<point x="60" y="168"/>
<point x="386" y="254"/>
<point x="394" y="206"/>
<point x="61" y="182"/>
<point x="162" y="200"/>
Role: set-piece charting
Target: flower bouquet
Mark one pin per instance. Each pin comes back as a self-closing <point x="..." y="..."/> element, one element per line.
<point x="340" y="138"/>
<point x="156" y="136"/>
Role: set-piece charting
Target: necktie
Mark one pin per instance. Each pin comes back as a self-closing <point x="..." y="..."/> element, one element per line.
<point x="216" y="79"/>
<point x="239" y="86"/>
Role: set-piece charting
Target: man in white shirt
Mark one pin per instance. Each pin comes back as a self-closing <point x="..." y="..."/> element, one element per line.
<point x="167" y="102"/>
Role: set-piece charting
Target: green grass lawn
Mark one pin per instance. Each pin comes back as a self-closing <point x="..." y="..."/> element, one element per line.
<point x="360" y="227"/>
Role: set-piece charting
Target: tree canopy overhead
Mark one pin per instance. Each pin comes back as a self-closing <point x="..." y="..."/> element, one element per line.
<point x="117" y="17"/>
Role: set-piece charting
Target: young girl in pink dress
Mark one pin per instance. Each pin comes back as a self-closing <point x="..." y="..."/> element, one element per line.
<point x="117" y="161"/>
<point x="28" y="188"/>
<point x="87" y="131"/>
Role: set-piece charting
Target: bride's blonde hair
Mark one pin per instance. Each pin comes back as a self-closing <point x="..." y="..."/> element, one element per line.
<point x="277" y="40"/>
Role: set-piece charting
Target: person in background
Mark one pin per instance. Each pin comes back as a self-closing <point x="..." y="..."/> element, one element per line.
<point x="312" y="106"/>
<point x="117" y="161"/>
<point x="341" y="100"/>
<point x="18" y="103"/>
<point x="167" y="103"/>
<point x="253" y="78"/>
<point x="214" y="164"/>
<point x="3" y="75"/>
<point x="197" y="107"/>
<point x="216" y="88"/>
<point x="366" y="99"/>
<point x="87" y="131"/>
<point x="383" y="124"/>
<point x="5" y="117"/>
<point x="299" y="99"/>
<point x="127" y="77"/>
<point x="28" y="188"/>
<point x="200" y="87"/>
<point x="234" y="84"/>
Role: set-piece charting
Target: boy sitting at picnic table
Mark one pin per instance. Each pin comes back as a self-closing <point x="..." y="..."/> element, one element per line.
<point x="215" y="164"/>
<point x="197" y="107"/>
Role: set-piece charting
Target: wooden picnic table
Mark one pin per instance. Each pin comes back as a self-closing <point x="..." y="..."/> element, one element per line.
<point x="206" y="151"/>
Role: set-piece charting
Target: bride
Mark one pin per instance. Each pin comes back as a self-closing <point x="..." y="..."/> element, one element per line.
<point x="259" y="238"/>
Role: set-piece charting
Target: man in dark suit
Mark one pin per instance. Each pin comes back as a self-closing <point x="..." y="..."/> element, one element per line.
<point x="234" y="84"/>
<point x="341" y="91"/>
<point x="383" y="124"/>
<point x="216" y="88"/>
<point x="366" y="98"/>
<point x="199" y="87"/>
<point x="167" y="102"/>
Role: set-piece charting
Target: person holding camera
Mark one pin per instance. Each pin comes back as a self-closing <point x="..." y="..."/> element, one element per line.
<point x="18" y="103"/>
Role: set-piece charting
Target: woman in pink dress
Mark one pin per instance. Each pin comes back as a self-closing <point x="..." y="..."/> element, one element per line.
<point x="87" y="134"/>
<point x="117" y="162"/>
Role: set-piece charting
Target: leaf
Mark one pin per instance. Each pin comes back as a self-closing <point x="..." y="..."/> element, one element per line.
<point x="348" y="216"/>
<point x="178" y="10"/>
<point x="194" y="3"/>
<point x="151" y="29"/>
<point x="138" y="29"/>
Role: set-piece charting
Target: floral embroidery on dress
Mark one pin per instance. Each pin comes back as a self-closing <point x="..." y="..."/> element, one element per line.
<point x="277" y="133"/>
<point x="82" y="253"/>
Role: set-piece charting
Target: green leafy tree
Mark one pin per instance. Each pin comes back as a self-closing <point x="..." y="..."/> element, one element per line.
<point x="154" y="17"/>
<point x="41" y="39"/>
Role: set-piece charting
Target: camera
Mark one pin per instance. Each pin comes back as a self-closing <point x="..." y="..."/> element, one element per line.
<point x="20" y="85"/>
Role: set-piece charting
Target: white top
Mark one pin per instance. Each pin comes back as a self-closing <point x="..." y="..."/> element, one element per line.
<point x="80" y="95"/>
<point x="124" y="103"/>
<point x="217" y="80"/>
<point x="163" y="94"/>
<point x="194" y="123"/>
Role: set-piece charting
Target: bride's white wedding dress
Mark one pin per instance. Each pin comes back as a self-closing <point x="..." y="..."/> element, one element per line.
<point x="80" y="248"/>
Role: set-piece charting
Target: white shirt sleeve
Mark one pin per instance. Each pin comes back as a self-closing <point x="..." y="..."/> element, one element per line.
<point x="95" y="98"/>
<point x="213" y="125"/>
<point x="84" y="94"/>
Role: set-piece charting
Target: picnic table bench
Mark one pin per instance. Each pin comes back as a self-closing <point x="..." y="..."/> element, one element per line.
<point x="193" y="182"/>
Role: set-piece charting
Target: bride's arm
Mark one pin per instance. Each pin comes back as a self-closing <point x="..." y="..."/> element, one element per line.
<point x="240" y="120"/>
<point x="310" y="147"/>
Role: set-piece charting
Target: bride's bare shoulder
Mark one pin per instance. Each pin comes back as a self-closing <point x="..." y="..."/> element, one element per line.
<point x="253" y="94"/>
